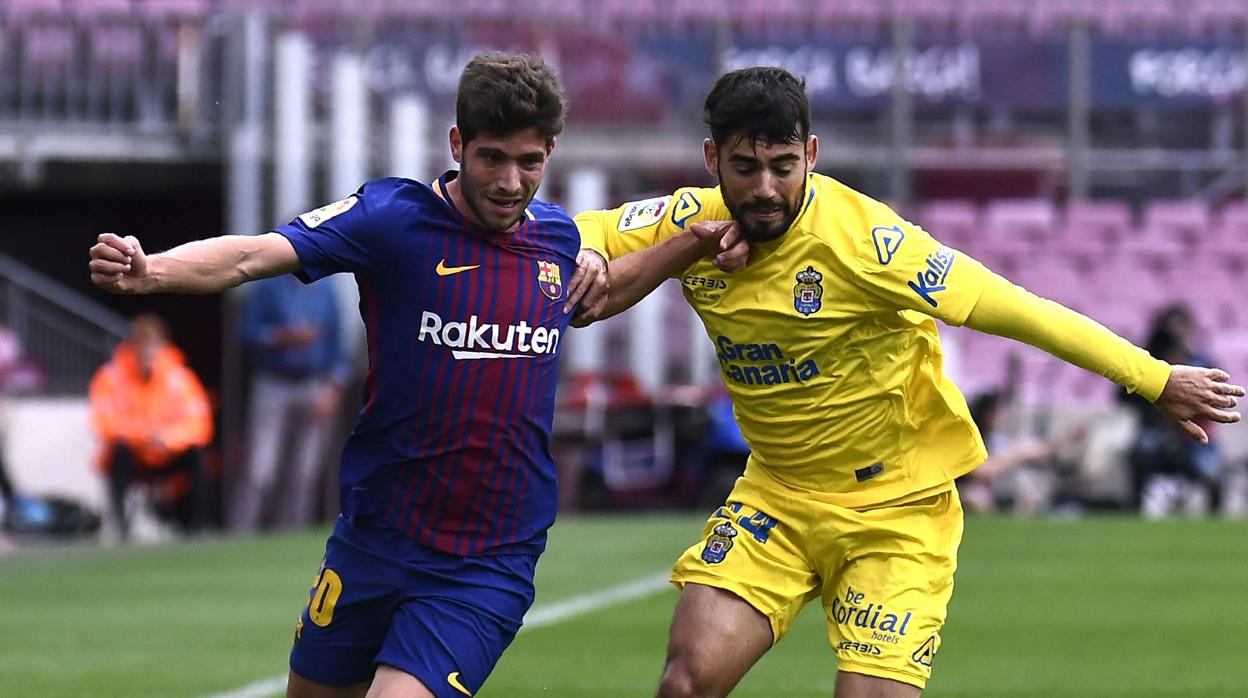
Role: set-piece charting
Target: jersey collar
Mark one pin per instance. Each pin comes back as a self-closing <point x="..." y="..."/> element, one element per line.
<point x="439" y="188"/>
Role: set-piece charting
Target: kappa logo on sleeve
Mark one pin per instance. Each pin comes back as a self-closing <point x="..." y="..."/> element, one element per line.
<point x="887" y="241"/>
<point x="318" y="216"/>
<point x="686" y="207"/>
<point x="641" y="214"/>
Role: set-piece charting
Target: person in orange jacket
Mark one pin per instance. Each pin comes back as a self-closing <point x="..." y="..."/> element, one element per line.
<point x="153" y="418"/>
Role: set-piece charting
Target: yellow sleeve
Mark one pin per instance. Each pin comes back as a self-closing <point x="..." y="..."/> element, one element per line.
<point x="638" y="225"/>
<point x="1010" y="311"/>
<point x="904" y="267"/>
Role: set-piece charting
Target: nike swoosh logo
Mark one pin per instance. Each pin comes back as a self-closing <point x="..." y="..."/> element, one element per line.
<point x="444" y="270"/>
<point x="453" y="679"/>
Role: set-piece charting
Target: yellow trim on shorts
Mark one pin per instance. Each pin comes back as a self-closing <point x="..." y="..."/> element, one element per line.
<point x="881" y="672"/>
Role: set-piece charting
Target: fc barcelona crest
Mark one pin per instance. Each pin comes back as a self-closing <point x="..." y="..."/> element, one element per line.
<point x="808" y="293"/>
<point x="548" y="280"/>
<point x="718" y="543"/>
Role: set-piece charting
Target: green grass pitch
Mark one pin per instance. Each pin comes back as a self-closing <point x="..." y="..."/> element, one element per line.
<point x="1099" y="607"/>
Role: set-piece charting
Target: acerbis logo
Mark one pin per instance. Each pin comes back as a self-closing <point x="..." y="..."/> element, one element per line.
<point x="697" y="282"/>
<point x="477" y="340"/>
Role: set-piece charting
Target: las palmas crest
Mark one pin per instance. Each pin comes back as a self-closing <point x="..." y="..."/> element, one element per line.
<point x="807" y="293"/>
<point x="718" y="543"/>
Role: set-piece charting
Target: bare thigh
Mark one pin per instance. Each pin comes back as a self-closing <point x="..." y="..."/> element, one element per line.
<point x="851" y="685"/>
<point x="715" y="638"/>
<point x="388" y="682"/>
<point x="299" y="687"/>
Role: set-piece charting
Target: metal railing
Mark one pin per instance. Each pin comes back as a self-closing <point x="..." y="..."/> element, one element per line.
<point x="65" y="335"/>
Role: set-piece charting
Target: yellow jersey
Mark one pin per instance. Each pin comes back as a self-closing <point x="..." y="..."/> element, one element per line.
<point x="826" y="341"/>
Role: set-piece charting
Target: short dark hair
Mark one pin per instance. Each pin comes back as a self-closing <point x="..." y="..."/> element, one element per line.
<point x="501" y="93"/>
<point x="760" y="103"/>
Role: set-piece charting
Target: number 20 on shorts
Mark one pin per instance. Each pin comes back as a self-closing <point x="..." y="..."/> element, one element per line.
<point x="325" y="592"/>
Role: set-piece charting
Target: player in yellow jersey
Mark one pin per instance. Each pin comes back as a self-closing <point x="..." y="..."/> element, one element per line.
<point x="829" y="350"/>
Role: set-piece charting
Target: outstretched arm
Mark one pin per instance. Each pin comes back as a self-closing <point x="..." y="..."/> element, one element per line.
<point x="1183" y="394"/>
<point x="634" y="276"/>
<point x="119" y="265"/>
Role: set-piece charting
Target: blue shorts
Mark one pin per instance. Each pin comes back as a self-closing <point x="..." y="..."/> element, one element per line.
<point x="383" y="598"/>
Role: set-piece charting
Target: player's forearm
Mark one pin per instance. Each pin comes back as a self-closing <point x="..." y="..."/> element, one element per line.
<point x="634" y="276"/>
<point x="215" y="264"/>
<point x="1009" y="311"/>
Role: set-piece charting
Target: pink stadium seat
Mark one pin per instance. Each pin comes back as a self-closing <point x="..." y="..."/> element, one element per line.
<point x="100" y="8"/>
<point x="1122" y="278"/>
<point x="1055" y="16"/>
<point x="926" y="14"/>
<point x="1030" y="220"/>
<point x="1106" y="219"/>
<point x="48" y="49"/>
<point x="117" y="46"/>
<point x="1230" y="352"/>
<point x="1126" y="318"/>
<point x="1204" y="15"/>
<point x="18" y="9"/>
<point x="953" y="222"/>
<point x="995" y="15"/>
<point x="983" y="362"/>
<point x="1231" y="223"/>
<point x="997" y="252"/>
<point x="1039" y="375"/>
<point x="851" y="14"/>
<point x="1081" y="253"/>
<point x="1055" y="279"/>
<point x="174" y="8"/>
<point x="1186" y="218"/>
<point x="1136" y="16"/>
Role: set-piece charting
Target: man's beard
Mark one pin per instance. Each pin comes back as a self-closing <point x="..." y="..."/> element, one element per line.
<point x="755" y="233"/>
<point x="473" y="196"/>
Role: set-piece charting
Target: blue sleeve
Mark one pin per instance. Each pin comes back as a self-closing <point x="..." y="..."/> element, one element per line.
<point x="346" y="236"/>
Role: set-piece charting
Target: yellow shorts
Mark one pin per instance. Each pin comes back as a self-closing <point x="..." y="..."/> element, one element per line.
<point x="885" y="575"/>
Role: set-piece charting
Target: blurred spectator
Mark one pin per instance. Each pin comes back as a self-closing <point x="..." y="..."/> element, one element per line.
<point x="153" y="418"/>
<point x="1168" y="470"/>
<point x="299" y="370"/>
<point x="1023" y="474"/>
<point x="10" y="352"/>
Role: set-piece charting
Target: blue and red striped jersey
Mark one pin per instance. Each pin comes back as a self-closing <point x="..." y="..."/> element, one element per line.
<point x="464" y="332"/>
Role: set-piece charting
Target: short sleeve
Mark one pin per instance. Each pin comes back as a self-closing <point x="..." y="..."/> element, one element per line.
<point x="638" y="225"/>
<point x="902" y="265"/>
<point x="345" y="236"/>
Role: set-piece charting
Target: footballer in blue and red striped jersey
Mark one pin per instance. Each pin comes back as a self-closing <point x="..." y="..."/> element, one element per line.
<point x="447" y="482"/>
<point x="449" y="461"/>
<point x="464" y="327"/>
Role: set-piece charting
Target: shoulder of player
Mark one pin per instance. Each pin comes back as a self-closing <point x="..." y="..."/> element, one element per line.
<point x="841" y="216"/>
<point x="549" y="212"/>
<point x="395" y="195"/>
<point x="692" y="204"/>
<point x="846" y="222"/>
<point x="554" y="219"/>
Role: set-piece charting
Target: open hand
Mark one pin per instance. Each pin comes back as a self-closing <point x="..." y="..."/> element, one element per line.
<point x="118" y="265"/>
<point x="1195" y="394"/>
